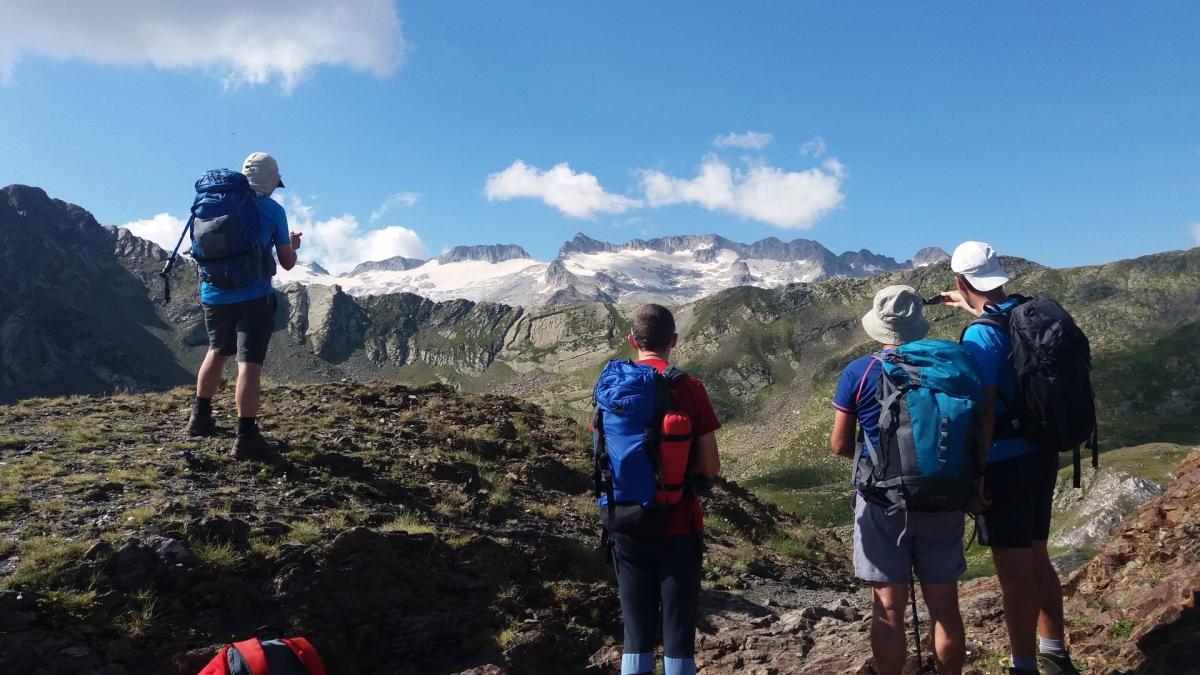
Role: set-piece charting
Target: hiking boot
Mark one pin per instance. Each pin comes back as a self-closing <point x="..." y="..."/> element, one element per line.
<point x="200" y="423"/>
<point x="1019" y="671"/>
<point x="1053" y="664"/>
<point x="252" y="445"/>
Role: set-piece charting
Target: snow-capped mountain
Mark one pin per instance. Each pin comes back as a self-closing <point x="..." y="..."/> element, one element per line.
<point x="671" y="270"/>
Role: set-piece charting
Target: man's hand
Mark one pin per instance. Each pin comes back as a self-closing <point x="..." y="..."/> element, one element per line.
<point x="955" y="299"/>
<point x="295" y="236"/>
<point x="979" y="501"/>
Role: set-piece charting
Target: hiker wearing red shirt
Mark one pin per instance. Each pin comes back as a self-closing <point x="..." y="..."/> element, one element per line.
<point x="647" y="486"/>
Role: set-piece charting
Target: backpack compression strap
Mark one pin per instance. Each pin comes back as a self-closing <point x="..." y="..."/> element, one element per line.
<point x="307" y="654"/>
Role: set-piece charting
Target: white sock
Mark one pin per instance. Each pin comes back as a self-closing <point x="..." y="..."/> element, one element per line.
<point x="1048" y="646"/>
<point x="1025" y="664"/>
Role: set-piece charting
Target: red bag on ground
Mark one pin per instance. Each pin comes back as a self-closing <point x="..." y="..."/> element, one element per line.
<point x="285" y="656"/>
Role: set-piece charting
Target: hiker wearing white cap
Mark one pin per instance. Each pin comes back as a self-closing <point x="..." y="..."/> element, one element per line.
<point x="1019" y="480"/>
<point x="240" y="314"/>
<point x="891" y="541"/>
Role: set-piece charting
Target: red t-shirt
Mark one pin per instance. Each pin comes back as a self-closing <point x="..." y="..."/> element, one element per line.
<point x="691" y="398"/>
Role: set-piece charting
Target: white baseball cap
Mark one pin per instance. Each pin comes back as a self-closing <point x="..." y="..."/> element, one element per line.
<point x="263" y="172"/>
<point x="977" y="262"/>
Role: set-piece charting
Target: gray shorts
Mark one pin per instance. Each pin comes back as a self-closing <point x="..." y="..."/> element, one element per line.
<point x="932" y="546"/>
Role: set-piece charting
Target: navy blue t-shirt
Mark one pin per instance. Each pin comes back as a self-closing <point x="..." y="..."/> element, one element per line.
<point x="855" y="395"/>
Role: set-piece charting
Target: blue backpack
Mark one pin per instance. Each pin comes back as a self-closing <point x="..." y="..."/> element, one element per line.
<point x="931" y="399"/>
<point x="631" y="451"/>
<point x="226" y="234"/>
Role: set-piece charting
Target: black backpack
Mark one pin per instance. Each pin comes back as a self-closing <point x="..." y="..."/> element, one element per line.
<point x="1056" y="406"/>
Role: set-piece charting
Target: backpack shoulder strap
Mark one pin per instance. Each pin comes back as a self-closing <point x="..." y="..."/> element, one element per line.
<point x="673" y="374"/>
<point x="307" y="654"/>
<point x="985" y="319"/>
<point x="252" y="653"/>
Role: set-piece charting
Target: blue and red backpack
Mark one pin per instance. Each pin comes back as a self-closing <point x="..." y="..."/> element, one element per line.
<point x="641" y="447"/>
<point x="285" y="656"/>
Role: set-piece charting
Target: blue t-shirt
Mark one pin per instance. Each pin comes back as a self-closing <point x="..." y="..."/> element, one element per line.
<point x="992" y="350"/>
<point x="855" y="395"/>
<point x="274" y="233"/>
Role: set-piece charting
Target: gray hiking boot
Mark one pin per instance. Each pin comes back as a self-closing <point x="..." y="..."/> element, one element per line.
<point x="200" y="423"/>
<point x="1053" y="664"/>
<point x="253" y="446"/>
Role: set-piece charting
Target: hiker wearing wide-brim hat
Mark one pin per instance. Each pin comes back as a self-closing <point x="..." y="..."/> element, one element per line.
<point x="896" y="316"/>
<point x="892" y="537"/>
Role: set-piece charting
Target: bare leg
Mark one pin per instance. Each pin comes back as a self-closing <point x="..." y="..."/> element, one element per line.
<point x="1050" y="623"/>
<point x="209" y="377"/>
<point x="249" y="385"/>
<point x="1018" y="582"/>
<point x="887" y="627"/>
<point x="949" y="641"/>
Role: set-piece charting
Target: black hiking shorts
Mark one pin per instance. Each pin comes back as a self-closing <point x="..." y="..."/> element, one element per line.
<point x="1021" y="490"/>
<point x="242" y="328"/>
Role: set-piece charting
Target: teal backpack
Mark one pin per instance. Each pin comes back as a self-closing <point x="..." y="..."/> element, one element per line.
<point x="931" y="399"/>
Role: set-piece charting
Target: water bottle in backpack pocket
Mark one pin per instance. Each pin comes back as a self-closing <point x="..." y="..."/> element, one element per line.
<point x="227" y="232"/>
<point x="641" y="448"/>
<point x="931" y="399"/>
<point x="675" y="452"/>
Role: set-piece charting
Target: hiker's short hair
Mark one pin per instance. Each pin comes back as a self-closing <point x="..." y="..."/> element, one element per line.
<point x="653" y="327"/>
<point x="967" y="283"/>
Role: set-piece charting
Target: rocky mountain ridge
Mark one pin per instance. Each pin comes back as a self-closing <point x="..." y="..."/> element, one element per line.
<point x="672" y="270"/>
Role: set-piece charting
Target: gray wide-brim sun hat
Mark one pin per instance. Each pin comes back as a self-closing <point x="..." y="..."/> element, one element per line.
<point x="896" y="316"/>
<point x="262" y="172"/>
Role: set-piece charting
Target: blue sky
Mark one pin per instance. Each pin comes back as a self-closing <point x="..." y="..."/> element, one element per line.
<point x="1067" y="133"/>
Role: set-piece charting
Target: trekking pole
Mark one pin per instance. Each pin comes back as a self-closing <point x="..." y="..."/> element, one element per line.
<point x="166" y="270"/>
<point x="912" y="586"/>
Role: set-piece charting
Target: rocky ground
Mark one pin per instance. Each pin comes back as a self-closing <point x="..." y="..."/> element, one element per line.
<point x="417" y="530"/>
<point x="403" y="530"/>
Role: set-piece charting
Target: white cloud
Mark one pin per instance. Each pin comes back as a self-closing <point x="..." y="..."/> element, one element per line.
<point x="790" y="199"/>
<point x="243" y="42"/>
<point x="751" y="140"/>
<point x="1195" y="230"/>
<point x="163" y="229"/>
<point x="340" y="243"/>
<point x="813" y="147"/>
<point x="578" y="195"/>
<point x="400" y="199"/>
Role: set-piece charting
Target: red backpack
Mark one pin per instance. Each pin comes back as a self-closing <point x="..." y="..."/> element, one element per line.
<point x="286" y="656"/>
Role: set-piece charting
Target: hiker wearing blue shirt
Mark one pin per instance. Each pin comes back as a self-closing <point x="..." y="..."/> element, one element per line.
<point x="890" y="544"/>
<point x="1019" y="481"/>
<point x="240" y="321"/>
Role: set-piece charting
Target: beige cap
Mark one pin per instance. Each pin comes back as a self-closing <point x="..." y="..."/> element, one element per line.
<point x="263" y="173"/>
<point x="896" y="316"/>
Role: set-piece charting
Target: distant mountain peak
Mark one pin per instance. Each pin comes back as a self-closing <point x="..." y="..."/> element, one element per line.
<point x="394" y="264"/>
<point x="492" y="253"/>
<point x="929" y="256"/>
<point x="581" y="243"/>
